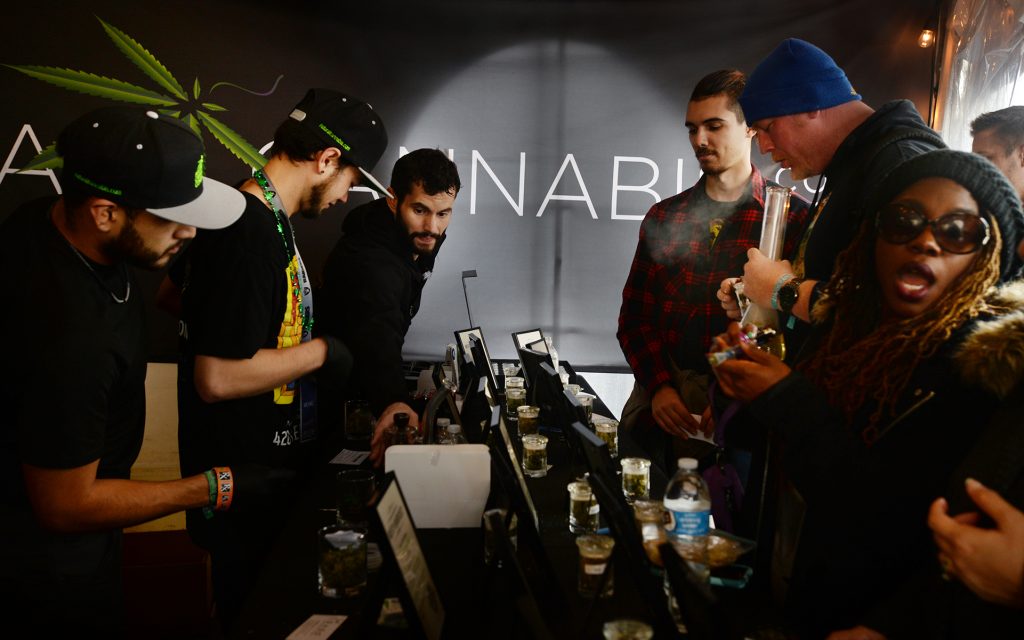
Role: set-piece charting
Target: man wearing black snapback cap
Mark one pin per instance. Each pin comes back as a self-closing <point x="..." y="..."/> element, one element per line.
<point x="72" y="384"/>
<point x="246" y="392"/>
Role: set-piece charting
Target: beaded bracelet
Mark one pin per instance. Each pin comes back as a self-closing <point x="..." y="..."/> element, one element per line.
<point x="225" y="488"/>
<point x="773" y="302"/>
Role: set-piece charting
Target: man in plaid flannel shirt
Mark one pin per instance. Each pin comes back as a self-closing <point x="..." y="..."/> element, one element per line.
<point x="688" y="244"/>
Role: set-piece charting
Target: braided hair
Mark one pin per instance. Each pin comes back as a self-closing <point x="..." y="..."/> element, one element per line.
<point x="863" y="359"/>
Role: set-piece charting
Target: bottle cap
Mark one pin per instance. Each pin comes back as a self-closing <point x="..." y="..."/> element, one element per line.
<point x="690" y="464"/>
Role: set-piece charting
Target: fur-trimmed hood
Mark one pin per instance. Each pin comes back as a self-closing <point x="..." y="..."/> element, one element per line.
<point x="992" y="355"/>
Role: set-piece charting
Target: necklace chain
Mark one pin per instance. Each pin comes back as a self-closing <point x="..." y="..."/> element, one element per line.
<point x="124" y="270"/>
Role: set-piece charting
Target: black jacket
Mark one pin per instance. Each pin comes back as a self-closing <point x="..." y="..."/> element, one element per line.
<point x="864" y="534"/>
<point x="928" y="606"/>
<point x="370" y="293"/>
<point x="892" y="134"/>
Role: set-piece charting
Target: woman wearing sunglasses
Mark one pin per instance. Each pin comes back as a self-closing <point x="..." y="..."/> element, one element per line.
<point x="876" y="414"/>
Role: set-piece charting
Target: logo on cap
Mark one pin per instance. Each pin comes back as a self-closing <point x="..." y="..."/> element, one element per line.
<point x="331" y="134"/>
<point x="95" y="185"/>
<point x="200" y="170"/>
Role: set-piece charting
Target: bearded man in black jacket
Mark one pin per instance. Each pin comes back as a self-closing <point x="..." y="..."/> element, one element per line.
<point x="374" y="278"/>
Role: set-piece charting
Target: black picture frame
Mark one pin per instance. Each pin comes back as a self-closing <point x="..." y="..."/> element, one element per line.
<point x="521" y="594"/>
<point x="465" y="346"/>
<point x="404" y="563"/>
<point x="509" y="478"/>
<point x="502" y="447"/>
<point x="477" y="405"/>
<point x="547" y="393"/>
<point x="521" y="339"/>
<point x="531" y="359"/>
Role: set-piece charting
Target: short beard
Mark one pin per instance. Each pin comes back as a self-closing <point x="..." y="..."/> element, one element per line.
<point x="131" y="248"/>
<point x="311" y="206"/>
<point x="423" y="234"/>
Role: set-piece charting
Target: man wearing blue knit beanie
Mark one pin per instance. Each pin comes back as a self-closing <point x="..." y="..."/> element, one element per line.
<point x="812" y="121"/>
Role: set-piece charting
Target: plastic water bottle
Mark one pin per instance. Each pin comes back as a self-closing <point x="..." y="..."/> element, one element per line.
<point x="441" y="430"/>
<point x="455" y="435"/>
<point x="689" y="505"/>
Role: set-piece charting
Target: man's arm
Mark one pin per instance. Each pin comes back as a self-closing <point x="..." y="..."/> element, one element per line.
<point x="74" y="500"/>
<point x="760" y="276"/>
<point x="219" y="379"/>
<point x="641" y="340"/>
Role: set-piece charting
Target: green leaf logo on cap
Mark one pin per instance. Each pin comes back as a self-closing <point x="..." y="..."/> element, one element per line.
<point x="200" y="169"/>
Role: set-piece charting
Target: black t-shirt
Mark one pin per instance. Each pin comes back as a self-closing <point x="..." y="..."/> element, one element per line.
<point x="73" y="390"/>
<point x="74" y="360"/>
<point x="238" y="298"/>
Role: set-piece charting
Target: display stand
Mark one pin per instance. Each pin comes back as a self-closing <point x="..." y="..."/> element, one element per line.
<point x="404" y="567"/>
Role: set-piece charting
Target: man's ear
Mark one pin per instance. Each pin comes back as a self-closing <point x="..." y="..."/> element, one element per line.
<point x="392" y="200"/>
<point x="104" y="213"/>
<point x="325" y="157"/>
<point x="1020" y="155"/>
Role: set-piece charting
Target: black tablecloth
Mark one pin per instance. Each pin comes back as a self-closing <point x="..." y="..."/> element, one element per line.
<point x="475" y="600"/>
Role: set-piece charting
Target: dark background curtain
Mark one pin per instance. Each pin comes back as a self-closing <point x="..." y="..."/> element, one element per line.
<point x="565" y="119"/>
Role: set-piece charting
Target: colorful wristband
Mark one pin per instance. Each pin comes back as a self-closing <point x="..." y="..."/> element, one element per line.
<point x="212" y="483"/>
<point x="225" y="488"/>
<point x="773" y="302"/>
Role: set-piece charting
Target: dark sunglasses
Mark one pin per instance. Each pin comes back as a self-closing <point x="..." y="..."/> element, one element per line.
<point x="954" y="232"/>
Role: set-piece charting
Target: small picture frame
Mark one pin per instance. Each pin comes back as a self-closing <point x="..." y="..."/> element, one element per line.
<point x="523" y="339"/>
<point x="401" y="551"/>
<point x="464" y="341"/>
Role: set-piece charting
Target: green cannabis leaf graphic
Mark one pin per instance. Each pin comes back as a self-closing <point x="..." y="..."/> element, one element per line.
<point x="192" y="111"/>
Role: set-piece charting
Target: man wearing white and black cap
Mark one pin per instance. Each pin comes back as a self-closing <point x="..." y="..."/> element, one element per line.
<point x="813" y="122"/>
<point x="75" y="361"/>
<point x="246" y="386"/>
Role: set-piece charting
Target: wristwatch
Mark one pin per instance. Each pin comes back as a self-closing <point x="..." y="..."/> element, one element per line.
<point x="789" y="293"/>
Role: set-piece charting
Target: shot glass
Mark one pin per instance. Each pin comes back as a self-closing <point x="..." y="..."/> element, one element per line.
<point x="584" y="511"/>
<point x="515" y="382"/>
<point x="355" y="489"/>
<point x="509" y="369"/>
<point x="595" y="561"/>
<point x="587" y="402"/>
<point x="359" y="421"/>
<point x="574" y="389"/>
<point x="627" y="630"/>
<point x="529" y="418"/>
<point x="636" y="478"/>
<point x="535" y="455"/>
<point x="608" y="430"/>
<point x="651" y="518"/>
<point x="342" y="561"/>
<point x="514" y="398"/>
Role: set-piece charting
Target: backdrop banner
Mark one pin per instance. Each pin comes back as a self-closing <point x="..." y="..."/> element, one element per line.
<point x="564" y="118"/>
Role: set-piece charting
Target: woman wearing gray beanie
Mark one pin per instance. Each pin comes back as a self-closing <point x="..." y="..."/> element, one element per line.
<point x="885" y="399"/>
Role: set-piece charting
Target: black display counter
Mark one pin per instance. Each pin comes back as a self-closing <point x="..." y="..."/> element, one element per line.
<point x="477" y="599"/>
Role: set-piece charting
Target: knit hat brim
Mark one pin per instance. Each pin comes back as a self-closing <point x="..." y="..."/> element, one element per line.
<point x="987" y="185"/>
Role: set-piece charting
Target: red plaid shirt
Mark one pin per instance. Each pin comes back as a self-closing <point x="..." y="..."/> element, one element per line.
<point x="669" y="307"/>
